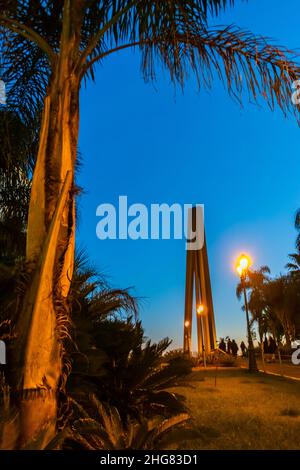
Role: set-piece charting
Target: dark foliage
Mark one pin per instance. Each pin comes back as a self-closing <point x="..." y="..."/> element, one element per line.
<point x="112" y="359"/>
<point x="176" y="35"/>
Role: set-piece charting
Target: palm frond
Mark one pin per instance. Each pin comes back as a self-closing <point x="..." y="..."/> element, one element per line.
<point x="297" y="227"/>
<point x="176" y="35"/>
<point x="104" y="429"/>
<point x="90" y="290"/>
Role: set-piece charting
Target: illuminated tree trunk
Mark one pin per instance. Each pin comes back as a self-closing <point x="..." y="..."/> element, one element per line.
<point x="50" y="251"/>
<point x="262" y="355"/>
<point x="36" y="359"/>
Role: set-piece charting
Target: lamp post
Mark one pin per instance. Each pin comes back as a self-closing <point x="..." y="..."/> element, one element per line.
<point x="242" y="269"/>
<point x="200" y="312"/>
<point x="187" y="339"/>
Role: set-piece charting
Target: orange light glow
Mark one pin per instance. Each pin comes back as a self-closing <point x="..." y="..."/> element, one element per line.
<point x="200" y="309"/>
<point x="243" y="263"/>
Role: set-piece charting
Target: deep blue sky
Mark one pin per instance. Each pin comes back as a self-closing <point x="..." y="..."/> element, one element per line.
<point x="155" y="144"/>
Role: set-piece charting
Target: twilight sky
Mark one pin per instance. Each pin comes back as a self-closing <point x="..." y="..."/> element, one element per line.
<point x="156" y="144"/>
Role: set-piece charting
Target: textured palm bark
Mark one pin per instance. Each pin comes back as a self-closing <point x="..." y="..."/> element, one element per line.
<point x="36" y="362"/>
<point x="36" y="355"/>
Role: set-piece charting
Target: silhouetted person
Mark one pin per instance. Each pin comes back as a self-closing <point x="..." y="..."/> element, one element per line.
<point x="229" y="343"/>
<point x="234" y="348"/>
<point x="222" y="345"/>
<point x="272" y="345"/>
<point x="266" y="346"/>
<point x="243" y="348"/>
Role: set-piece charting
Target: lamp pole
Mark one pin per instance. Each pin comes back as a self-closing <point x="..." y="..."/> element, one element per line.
<point x="200" y="312"/>
<point x="187" y="339"/>
<point x="242" y="269"/>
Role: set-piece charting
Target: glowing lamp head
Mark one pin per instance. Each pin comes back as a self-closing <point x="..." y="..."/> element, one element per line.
<point x="187" y="324"/>
<point x="243" y="264"/>
<point x="200" y="309"/>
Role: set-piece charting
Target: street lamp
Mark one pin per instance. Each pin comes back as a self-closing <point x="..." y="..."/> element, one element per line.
<point x="200" y="309"/>
<point x="186" y="333"/>
<point x="200" y="312"/>
<point x="242" y="267"/>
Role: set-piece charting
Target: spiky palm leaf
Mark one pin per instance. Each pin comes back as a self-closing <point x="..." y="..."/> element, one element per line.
<point x="136" y="376"/>
<point x="255" y="279"/>
<point x="177" y="34"/>
<point x="110" y="342"/>
<point x="278" y="300"/>
<point x="297" y="226"/>
<point x="90" y="290"/>
<point x="294" y="265"/>
<point x="274" y="303"/>
<point x="104" y="429"/>
<point x="92" y="301"/>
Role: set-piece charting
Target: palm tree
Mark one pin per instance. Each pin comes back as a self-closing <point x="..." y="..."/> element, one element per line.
<point x="275" y="327"/>
<point x="276" y="297"/>
<point x="105" y="353"/>
<point x="112" y="358"/>
<point x="17" y="156"/>
<point x="62" y="41"/>
<point x="257" y="280"/>
<point x="294" y="264"/>
<point x="268" y="304"/>
<point x="293" y="288"/>
<point x="292" y="303"/>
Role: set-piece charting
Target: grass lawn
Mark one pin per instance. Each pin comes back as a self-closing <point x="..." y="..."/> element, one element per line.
<point x="242" y="411"/>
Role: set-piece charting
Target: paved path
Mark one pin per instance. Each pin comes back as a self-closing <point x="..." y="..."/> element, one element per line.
<point x="287" y="369"/>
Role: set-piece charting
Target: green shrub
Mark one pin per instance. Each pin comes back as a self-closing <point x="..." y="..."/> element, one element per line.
<point x="179" y="362"/>
<point x="227" y="361"/>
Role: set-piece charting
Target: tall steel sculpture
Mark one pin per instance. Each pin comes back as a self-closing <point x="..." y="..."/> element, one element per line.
<point x="198" y="282"/>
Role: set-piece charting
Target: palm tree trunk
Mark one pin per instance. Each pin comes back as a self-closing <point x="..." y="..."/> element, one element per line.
<point x="42" y="325"/>
<point x="262" y="354"/>
<point x="279" y="357"/>
<point x="36" y="356"/>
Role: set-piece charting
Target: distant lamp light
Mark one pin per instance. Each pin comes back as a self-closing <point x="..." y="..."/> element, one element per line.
<point x="187" y="324"/>
<point x="243" y="263"/>
<point x="200" y="309"/>
<point x="242" y="266"/>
